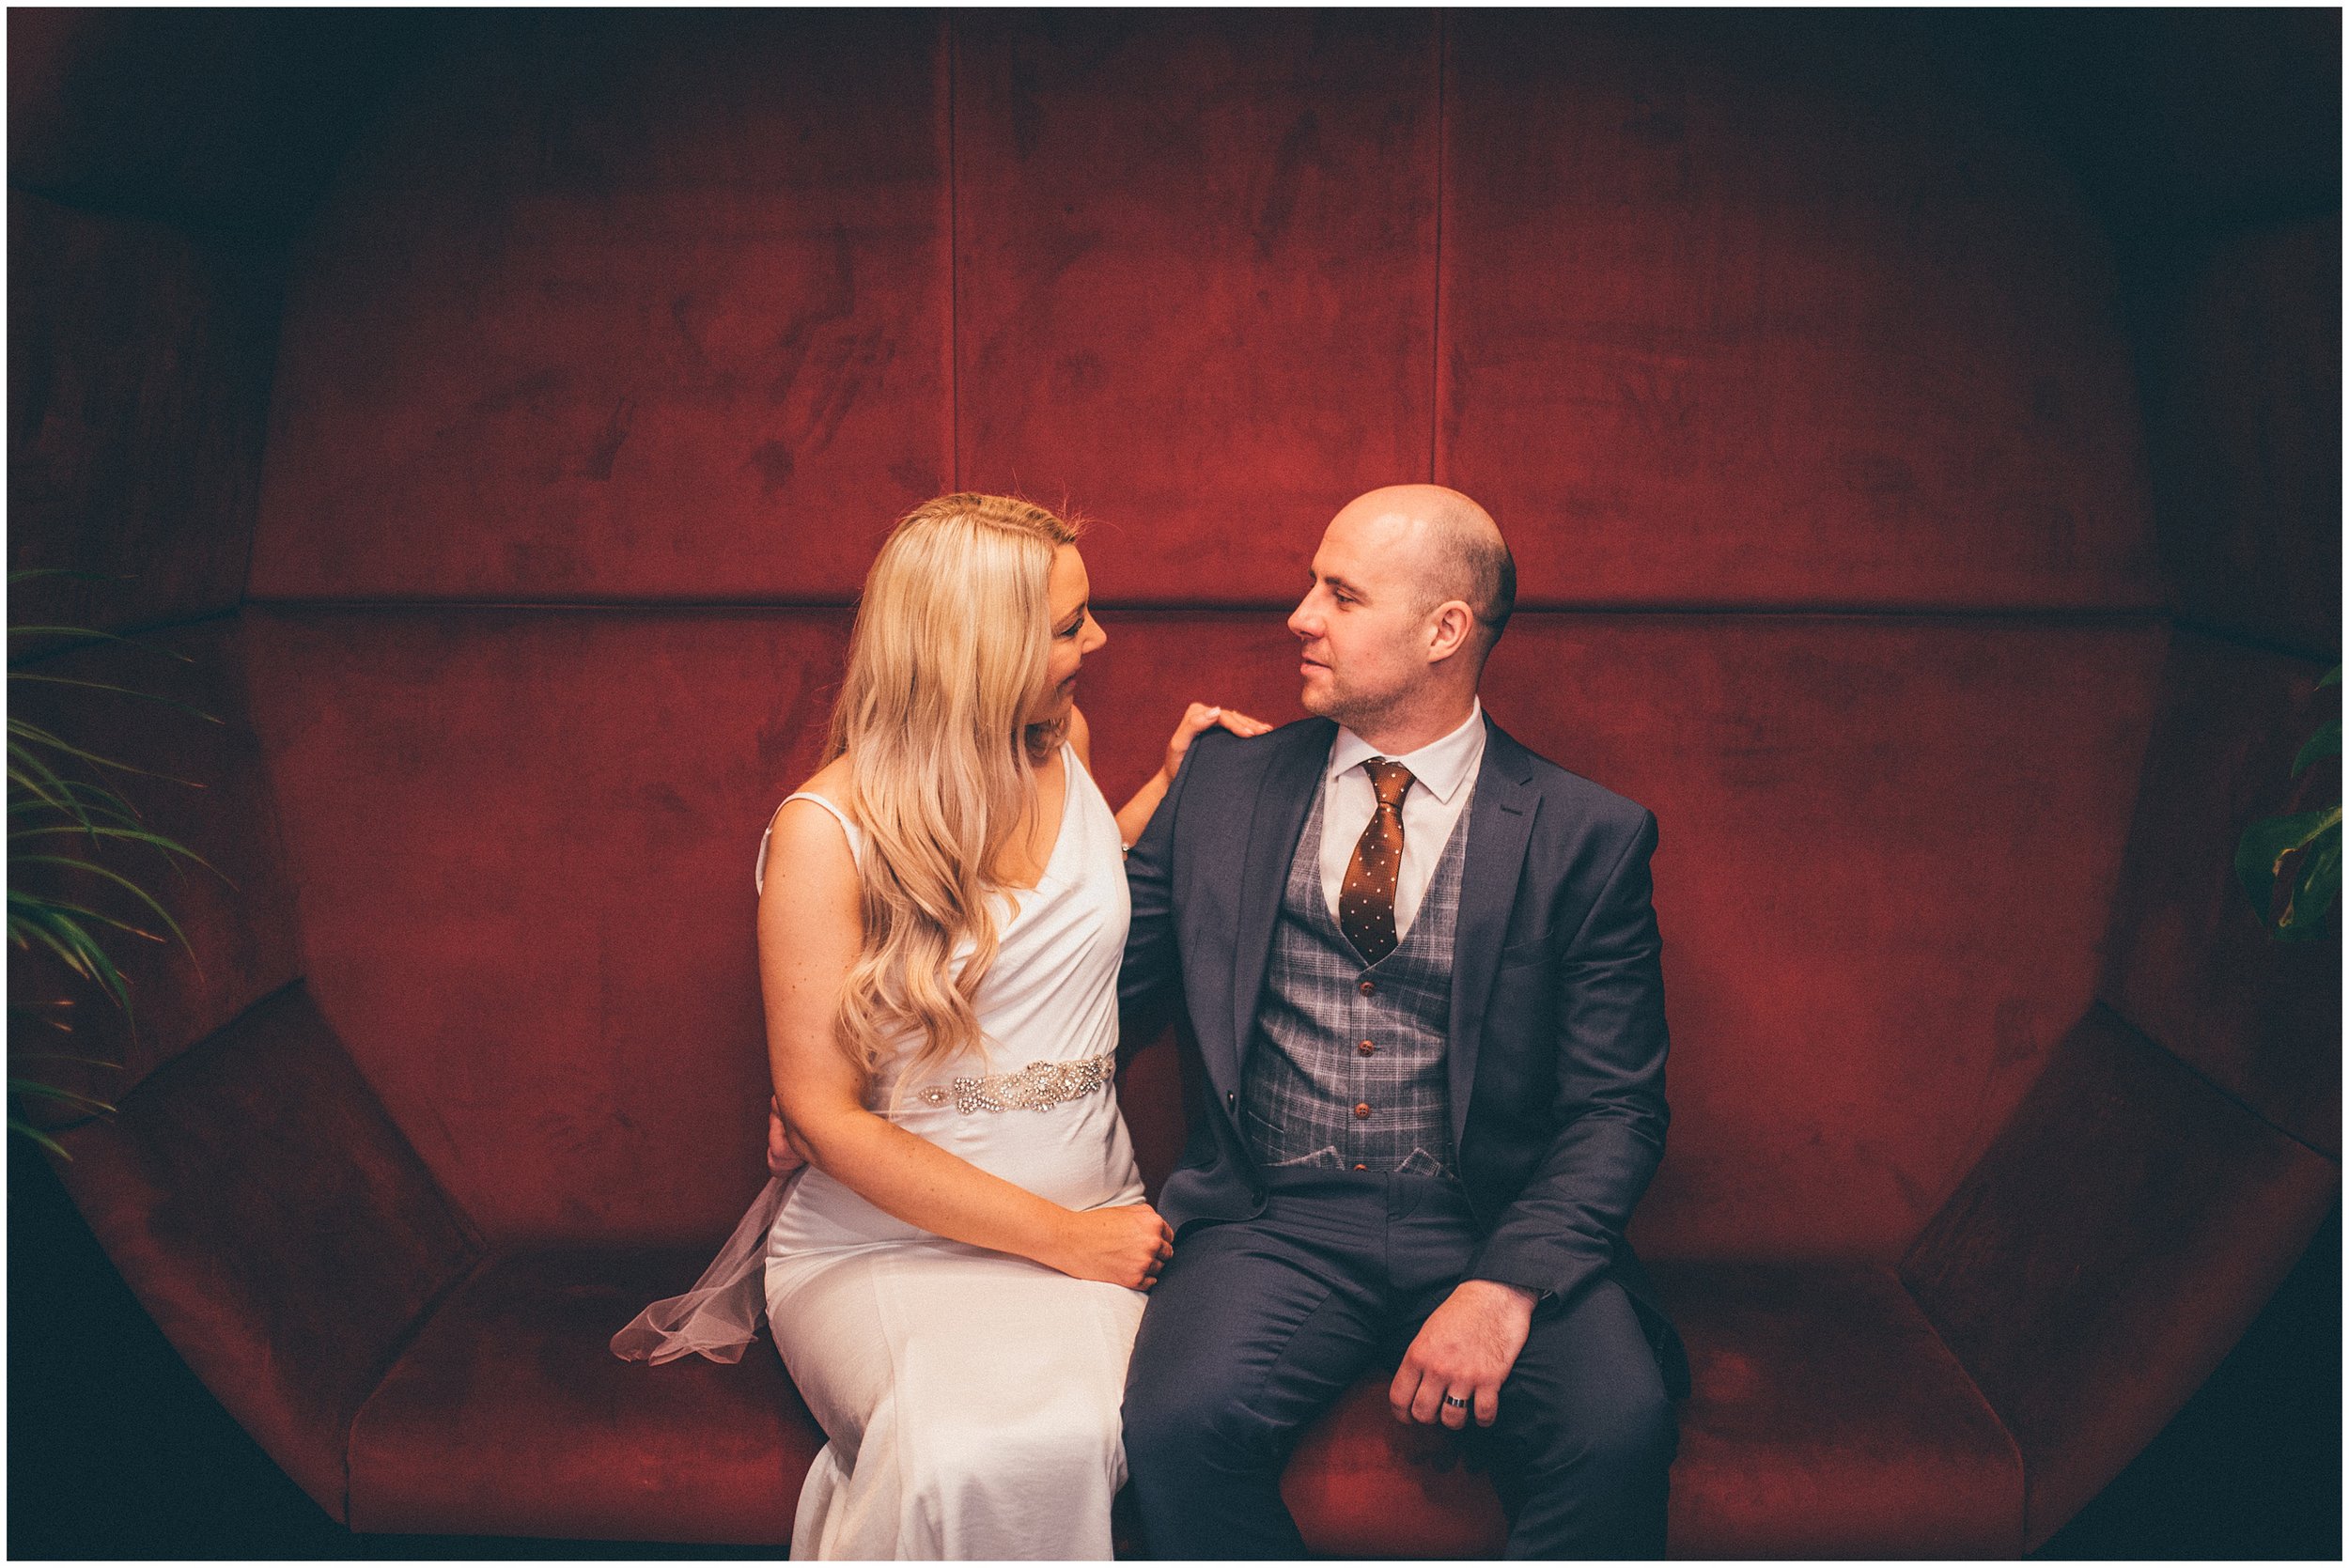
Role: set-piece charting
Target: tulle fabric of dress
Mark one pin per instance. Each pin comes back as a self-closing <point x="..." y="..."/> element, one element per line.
<point x="726" y="1307"/>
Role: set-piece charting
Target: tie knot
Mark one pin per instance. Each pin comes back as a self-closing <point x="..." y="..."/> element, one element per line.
<point x="1390" y="779"/>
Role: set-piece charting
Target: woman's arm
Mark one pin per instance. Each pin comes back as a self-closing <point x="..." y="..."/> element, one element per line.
<point x="810" y="929"/>
<point x="1135" y="814"/>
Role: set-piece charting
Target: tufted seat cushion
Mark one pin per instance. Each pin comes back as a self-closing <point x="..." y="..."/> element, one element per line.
<point x="508" y="1415"/>
<point x="1828" y="1421"/>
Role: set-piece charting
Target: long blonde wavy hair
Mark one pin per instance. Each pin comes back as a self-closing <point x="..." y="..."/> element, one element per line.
<point x="947" y="659"/>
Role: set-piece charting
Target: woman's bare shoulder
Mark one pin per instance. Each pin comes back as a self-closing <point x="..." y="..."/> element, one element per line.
<point x="1081" y="736"/>
<point x="833" y="781"/>
<point x="806" y="845"/>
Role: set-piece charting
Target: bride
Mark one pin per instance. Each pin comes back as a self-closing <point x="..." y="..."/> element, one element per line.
<point x="955" y="1277"/>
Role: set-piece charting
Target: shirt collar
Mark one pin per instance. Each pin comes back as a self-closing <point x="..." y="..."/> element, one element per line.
<point x="1440" y="766"/>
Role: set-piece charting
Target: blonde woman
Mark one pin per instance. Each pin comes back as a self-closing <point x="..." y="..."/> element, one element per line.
<point x="956" y="1276"/>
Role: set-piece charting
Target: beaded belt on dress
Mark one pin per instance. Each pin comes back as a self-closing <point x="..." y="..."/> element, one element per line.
<point x="1039" y="1086"/>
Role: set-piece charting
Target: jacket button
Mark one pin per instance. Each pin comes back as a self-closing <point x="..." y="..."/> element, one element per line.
<point x="1231" y="1099"/>
<point x="1362" y="1168"/>
<point x="1362" y="1112"/>
<point x="1367" y="1049"/>
<point x="1368" y="987"/>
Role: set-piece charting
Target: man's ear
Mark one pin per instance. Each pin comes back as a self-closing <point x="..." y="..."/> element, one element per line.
<point x="1451" y="626"/>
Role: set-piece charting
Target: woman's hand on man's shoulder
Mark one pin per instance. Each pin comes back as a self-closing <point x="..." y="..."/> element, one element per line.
<point x="1197" y="720"/>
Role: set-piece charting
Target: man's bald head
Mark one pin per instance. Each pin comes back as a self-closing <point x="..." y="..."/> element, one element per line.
<point x="1461" y="552"/>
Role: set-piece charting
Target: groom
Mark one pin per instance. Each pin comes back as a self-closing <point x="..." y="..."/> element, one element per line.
<point x="1421" y="967"/>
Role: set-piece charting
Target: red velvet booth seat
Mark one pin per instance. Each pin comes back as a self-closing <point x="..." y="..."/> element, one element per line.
<point x="1792" y="369"/>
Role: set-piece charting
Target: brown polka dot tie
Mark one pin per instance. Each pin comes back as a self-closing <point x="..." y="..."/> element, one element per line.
<point x="1366" y="899"/>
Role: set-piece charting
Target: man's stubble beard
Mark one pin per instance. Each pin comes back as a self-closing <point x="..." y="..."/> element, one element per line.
<point x="1349" y="709"/>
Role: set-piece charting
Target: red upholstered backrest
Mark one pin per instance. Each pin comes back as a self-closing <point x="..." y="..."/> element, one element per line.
<point x="525" y="840"/>
<point x="1797" y="390"/>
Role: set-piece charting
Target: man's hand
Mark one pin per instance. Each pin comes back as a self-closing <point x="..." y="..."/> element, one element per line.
<point x="1465" y="1349"/>
<point x="782" y="1159"/>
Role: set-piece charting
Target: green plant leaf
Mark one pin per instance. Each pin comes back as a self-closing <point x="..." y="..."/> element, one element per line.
<point x="29" y="772"/>
<point x="2314" y="890"/>
<point x="19" y="574"/>
<point x="63" y="936"/>
<point x="2259" y="854"/>
<point x="40" y="905"/>
<point x="83" y="634"/>
<point x="53" y="1091"/>
<point x="136" y="835"/>
<point x="115" y="876"/>
<point x="2325" y="743"/>
<point x="98" y="797"/>
<point x="125" y="690"/>
<point x="35" y="735"/>
<point x="2331" y="677"/>
<point x="93" y="801"/>
<point x="62" y="1056"/>
<point x="18" y="1124"/>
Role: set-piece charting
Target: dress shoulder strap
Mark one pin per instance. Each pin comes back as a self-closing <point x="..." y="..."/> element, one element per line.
<point x="856" y="840"/>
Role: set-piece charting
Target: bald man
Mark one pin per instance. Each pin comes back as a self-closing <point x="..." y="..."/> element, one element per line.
<point x="1422" y="967"/>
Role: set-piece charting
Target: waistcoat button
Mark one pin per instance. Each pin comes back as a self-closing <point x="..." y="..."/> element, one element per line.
<point x="1368" y="987"/>
<point x="1367" y="1049"/>
<point x="1362" y="1112"/>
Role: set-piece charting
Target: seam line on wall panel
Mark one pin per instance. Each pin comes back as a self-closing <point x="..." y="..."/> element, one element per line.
<point x="954" y="276"/>
<point x="2078" y="613"/>
<point x="2154" y="1044"/>
<point x="2245" y="639"/>
<point x="1435" y="314"/>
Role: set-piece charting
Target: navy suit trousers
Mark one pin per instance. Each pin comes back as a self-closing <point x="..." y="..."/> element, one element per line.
<point x="1259" y="1324"/>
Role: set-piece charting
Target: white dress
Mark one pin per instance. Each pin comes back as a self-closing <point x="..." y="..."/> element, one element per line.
<point x="971" y="1397"/>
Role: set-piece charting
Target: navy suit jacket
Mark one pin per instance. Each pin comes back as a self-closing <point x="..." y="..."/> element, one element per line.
<point x="1557" y="1042"/>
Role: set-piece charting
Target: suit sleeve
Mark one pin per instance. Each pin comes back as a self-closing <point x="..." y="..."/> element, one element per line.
<point x="1150" y="978"/>
<point x="1564" y="1228"/>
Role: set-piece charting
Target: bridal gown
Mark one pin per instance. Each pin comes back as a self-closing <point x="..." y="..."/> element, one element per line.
<point x="971" y="1397"/>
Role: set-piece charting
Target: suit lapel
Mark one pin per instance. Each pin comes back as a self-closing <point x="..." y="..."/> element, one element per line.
<point x="1282" y="799"/>
<point x="1501" y="820"/>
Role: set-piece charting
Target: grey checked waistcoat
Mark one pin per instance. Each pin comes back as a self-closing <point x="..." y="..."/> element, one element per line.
<point x="1307" y="1074"/>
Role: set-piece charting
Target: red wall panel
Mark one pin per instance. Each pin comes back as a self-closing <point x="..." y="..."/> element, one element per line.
<point x="639" y="307"/>
<point x="1884" y="840"/>
<point x="1194" y="278"/>
<point x="2246" y="430"/>
<point x="524" y="841"/>
<point x="138" y="376"/>
<point x="1882" y="843"/>
<point x="1742" y="313"/>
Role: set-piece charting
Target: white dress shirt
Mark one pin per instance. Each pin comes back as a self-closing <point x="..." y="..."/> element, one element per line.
<point x="1443" y="774"/>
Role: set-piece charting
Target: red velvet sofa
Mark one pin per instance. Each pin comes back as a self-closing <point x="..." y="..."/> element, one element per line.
<point x="515" y="546"/>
